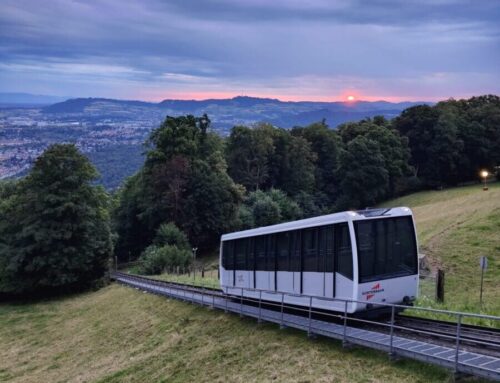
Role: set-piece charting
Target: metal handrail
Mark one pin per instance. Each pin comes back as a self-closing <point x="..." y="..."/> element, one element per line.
<point x="310" y="310"/>
<point x="383" y="304"/>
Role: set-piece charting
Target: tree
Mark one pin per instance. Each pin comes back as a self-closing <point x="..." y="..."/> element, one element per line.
<point x="58" y="237"/>
<point x="184" y="181"/>
<point x="262" y="208"/>
<point x="364" y="179"/>
<point x="169" y="234"/>
<point x="326" y="145"/>
<point x="434" y="142"/>
<point x="292" y="163"/>
<point x="248" y="152"/>
<point x="393" y="148"/>
<point x="211" y="205"/>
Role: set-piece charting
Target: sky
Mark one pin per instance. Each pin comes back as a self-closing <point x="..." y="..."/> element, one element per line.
<point x="324" y="50"/>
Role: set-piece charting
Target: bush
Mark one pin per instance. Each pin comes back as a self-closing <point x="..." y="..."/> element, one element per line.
<point x="169" y="234"/>
<point x="159" y="259"/>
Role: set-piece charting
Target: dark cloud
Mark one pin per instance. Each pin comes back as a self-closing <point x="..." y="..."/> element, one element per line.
<point x="287" y="48"/>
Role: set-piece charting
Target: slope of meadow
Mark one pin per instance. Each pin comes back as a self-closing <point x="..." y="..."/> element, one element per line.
<point x="455" y="228"/>
<point x="119" y="334"/>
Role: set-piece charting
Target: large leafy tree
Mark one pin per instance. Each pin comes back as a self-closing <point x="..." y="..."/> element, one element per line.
<point x="393" y="147"/>
<point x="58" y="235"/>
<point x="435" y="143"/>
<point x="184" y="180"/>
<point x="364" y="178"/>
<point x="326" y="145"/>
<point x="248" y="152"/>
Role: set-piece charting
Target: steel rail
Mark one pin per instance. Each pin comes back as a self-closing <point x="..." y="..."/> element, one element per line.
<point x="460" y="361"/>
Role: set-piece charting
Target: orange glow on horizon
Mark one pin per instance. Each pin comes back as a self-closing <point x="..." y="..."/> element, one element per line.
<point x="350" y="96"/>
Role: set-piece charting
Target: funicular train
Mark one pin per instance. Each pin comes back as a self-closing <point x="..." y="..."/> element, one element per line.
<point x="365" y="256"/>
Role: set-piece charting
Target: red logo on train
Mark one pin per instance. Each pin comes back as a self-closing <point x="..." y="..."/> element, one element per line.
<point x="373" y="290"/>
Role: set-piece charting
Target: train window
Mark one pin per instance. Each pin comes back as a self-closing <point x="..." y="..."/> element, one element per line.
<point x="283" y="250"/>
<point x="386" y="248"/>
<point x="227" y="255"/>
<point x="310" y="249"/>
<point x="240" y="254"/>
<point x="343" y="254"/>
<point x="260" y="252"/>
<point x="271" y="252"/>
<point x="295" y="250"/>
<point x="251" y="254"/>
<point x="325" y="261"/>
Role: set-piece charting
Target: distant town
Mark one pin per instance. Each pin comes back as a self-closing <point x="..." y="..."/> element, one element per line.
<point x="111" y="132"/>
<point x="25" y="133"/>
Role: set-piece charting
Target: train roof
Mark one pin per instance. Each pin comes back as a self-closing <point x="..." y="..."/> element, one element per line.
<point x="319" y="221"/>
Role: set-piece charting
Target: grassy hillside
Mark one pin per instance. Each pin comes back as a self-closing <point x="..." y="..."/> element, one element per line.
<point x="455" y="228"/>
<point x="122" y="335"/>
<point x="119" y="334"/>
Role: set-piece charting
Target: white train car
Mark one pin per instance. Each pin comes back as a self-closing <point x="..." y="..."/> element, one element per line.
<point x="367" y="256"/>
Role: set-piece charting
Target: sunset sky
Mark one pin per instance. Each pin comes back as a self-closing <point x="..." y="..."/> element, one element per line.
<point x="324" y="50"/>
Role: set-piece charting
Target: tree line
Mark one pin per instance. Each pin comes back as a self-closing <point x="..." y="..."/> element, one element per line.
<point x="59" y="231"/>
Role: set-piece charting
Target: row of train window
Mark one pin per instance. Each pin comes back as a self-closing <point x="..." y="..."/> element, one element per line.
<point x="319" y="249"/>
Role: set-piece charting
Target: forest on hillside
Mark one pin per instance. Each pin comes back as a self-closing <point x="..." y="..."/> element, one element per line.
<point x="58" y="229"/>
<point x="260" y="175"/>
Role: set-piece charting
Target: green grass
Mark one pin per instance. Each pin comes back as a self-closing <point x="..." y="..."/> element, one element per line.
<point x="209" y="280"/>
<point x="455" y="227"/>
<point x="119" y="334"/>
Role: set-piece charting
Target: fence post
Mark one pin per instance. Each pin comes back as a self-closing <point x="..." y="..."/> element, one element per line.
<point x="309" y="333"/>
<point x="226" y="298"/>
<point x="344" y="340"/>
<point x="391" y="350"/>
<point x="282" y="325"/>
<point x="203" y="271"/>
<point x="440" y="286"/>
<point x="260" y="307"/>
<point x="459" y="327"/>
<point x="241" y="303"/>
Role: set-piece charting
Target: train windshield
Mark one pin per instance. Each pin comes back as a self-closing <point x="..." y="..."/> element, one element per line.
<point x="387" y="248"/>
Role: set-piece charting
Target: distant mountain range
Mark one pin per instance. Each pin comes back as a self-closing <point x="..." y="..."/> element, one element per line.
<point x="111" y="132"/>
<point x="225" y="113"/>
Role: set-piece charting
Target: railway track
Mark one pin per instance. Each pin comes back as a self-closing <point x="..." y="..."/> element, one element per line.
<point x="472" y="335"/>
<point x="477" y="351"/>
<point x="475" y="337"/>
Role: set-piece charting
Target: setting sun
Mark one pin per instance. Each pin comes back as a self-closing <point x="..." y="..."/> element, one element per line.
<point x="350" y="98"/>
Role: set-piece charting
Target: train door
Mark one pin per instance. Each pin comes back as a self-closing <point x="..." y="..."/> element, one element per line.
<point x="312" y="266"/>
<point x="343" y="276"/>
<point x="296" y="261"/>
<point x="284" y="277"/>
<point x="271" y="262"/>
<point x="240" y="258"/>
<point x="261" y="273"/>
<point x="326" y="260"/>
